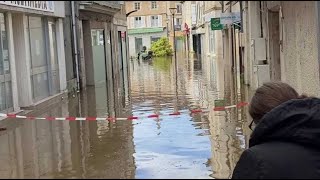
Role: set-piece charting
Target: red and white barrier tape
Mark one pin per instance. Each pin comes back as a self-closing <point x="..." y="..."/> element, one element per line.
<point x="194" y="111"/>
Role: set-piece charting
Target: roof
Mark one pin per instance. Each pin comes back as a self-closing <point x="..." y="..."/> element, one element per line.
<point x="145" y="30"/>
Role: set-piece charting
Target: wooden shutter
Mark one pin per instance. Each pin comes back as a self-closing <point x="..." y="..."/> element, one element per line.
<point x="131" y="21"/>
<point x="143" y="21"/>
<point x="148" y="21"/>
<point x="160" y="21"/>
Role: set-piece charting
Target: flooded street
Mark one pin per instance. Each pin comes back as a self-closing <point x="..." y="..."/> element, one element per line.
<point x="204" y="145"/>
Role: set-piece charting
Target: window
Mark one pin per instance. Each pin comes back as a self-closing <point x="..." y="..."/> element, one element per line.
<point x="154" y="39"/>
<point x="43" y="54"/>
<point x="179" y="8"/>
<point x="6" y="102"/>
<point x="154" y="21"/>
<point x="178" y="23"/>
<point x="137" y="5"/>
<point x="137" y="22"/>
<point x="153" y="4"/>
<point x="193" y="14"/>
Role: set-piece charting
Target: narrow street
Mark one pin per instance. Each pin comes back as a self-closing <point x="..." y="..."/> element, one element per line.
<point x="186" y="146"/>
<point x="159" y="89"/>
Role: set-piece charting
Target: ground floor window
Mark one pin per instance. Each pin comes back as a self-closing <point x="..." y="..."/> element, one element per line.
<point x="154" y="39"/>
<point x="44" y="59"/>
<point x="6" y="102"/>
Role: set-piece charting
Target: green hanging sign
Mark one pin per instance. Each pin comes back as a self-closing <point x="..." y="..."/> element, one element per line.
<point x="215" y="24"/>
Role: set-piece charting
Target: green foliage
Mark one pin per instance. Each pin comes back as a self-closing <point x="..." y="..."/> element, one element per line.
<point x="161" y="47"/>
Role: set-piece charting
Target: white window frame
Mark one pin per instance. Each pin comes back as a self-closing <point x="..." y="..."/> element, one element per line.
<point x="154" y="21"/>
<point x="136" y="3"/>
<point x="137" y="22"/>
<point x="177" y="24"/>
<point x="154" y="5"/>
<point x="176" y="21"/>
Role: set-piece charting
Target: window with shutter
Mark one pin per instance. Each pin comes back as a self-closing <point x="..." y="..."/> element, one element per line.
<point x="154" y="21"/>
<point x="149" y="21"/>
<point x="131" y="19"/>
<point x="137" y="22"/>
<point x="143" y="21"/>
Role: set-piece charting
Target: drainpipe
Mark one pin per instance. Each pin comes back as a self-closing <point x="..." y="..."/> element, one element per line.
<point x="241" y="16"/>
<point x="75" y="44"/>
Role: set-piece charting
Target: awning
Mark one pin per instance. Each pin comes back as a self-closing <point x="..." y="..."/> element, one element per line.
<point x="103" y="7"/>
<point x="145" y="30"/>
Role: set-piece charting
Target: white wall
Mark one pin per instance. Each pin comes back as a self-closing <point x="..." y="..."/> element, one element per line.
<point x="300" y="64"/>
<point x="146" y="41"/>
<point x="61" y="55"/>
<point x="299" y="55"/>
<point x="12" y="59"/>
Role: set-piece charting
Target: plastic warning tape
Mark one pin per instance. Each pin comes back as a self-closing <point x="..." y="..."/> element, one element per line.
<point x="194" y="111"/>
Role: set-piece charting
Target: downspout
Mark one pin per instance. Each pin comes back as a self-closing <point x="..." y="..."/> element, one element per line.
<point x="75" y="44"/>
<point x="261" y="28"/>
<point x="317" y="8"/>
<point x="241" y="16"/>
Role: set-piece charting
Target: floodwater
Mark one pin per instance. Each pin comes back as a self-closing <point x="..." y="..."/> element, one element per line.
<point x="205" y="145"/>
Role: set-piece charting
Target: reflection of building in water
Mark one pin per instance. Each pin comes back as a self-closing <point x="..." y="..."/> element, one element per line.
<point x="201" y="84"/>
<point x="156" y="83"/>
<point x="33" y="149"/>
<point x="229" y="135"/>
<point x="228" y="142"/>
<point x="63" y="149"/>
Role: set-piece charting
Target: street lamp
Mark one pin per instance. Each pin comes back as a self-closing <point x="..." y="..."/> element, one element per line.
<point x="173" y="12"/>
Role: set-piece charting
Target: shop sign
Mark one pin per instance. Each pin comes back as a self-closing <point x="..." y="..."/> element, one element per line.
<point x="230" y="18"/>
<point x="215" y="24"/>
<point x="47" y="6"/>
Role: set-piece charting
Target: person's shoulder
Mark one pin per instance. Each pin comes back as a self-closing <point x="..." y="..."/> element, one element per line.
<point x="274" y="151"/>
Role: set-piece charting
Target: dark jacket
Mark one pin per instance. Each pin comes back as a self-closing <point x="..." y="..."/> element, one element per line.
<point x="285" y="144"/>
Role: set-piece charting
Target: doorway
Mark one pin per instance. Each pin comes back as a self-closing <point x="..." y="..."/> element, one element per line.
<point x="197" y="45"/>
<point x="274" y="45"/>
<point x="138" y="45"/>
<point x="98" y="55"/>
